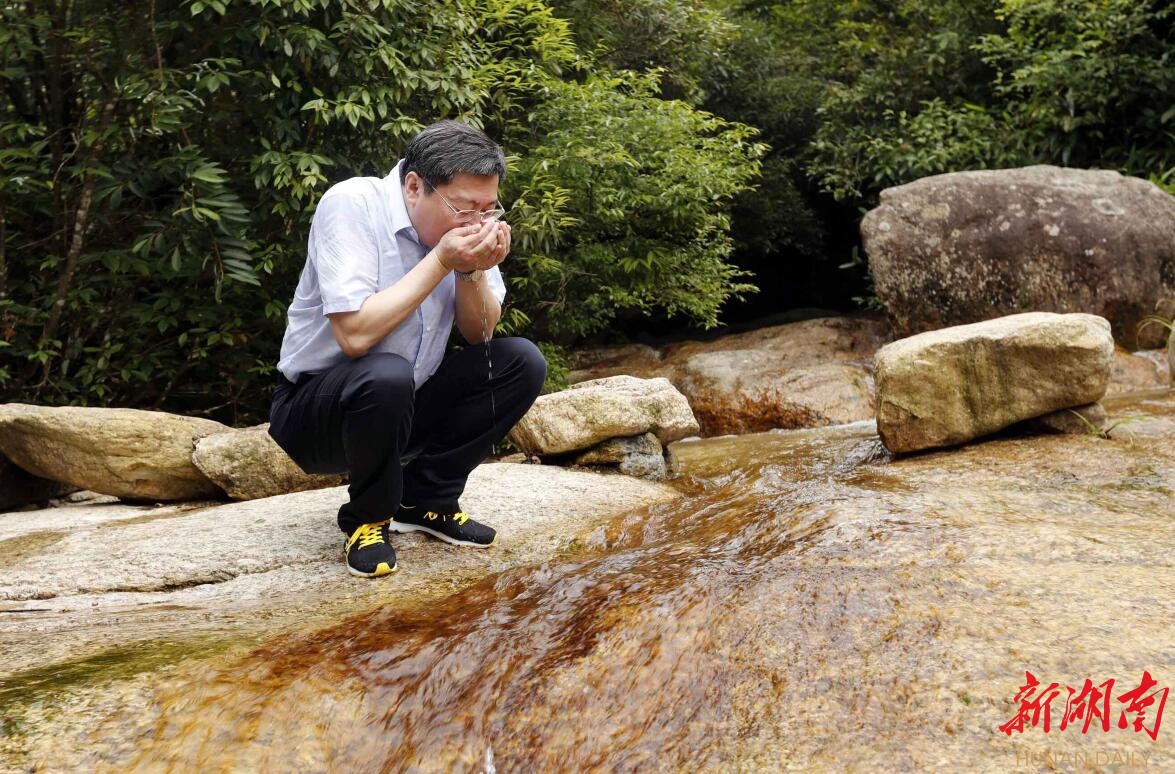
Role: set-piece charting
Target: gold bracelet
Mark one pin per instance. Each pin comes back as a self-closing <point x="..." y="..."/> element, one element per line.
<point x="442" y="263"/>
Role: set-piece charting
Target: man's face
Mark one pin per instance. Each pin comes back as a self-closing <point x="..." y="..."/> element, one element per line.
<point x="429" y="214"/>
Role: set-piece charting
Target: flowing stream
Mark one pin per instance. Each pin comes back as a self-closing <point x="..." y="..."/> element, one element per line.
<point x="811" y="603"/>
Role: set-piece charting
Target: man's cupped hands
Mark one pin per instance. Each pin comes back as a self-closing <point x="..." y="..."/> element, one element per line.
<point x="475" y="246"/>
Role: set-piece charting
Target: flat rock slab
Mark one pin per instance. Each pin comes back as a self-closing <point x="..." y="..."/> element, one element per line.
<point x="123" y="573"/>
<point x="178" y="548"/>
<point x="930" y="583"/>
<point x="117" y="451"/>
<point x="813" y="575"/>
<point x="102" y="510"/>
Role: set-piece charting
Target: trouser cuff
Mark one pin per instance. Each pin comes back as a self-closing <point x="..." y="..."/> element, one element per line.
<point x="438" y="506"/>
<point x="349" y="522"/>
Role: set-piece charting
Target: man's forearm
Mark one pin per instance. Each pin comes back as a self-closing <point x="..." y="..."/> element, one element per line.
<point x="383" y="311"/>
<point x="478" y="310"/>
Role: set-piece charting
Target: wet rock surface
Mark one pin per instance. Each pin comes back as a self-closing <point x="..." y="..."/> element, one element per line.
<point x="99" y="561"/>
<point x="812" y="603"/>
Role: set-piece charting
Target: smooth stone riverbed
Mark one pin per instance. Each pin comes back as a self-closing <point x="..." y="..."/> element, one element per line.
<point x="812" y="602"/>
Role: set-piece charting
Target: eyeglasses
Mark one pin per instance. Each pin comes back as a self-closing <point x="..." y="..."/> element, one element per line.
<point x="468" y="216"/>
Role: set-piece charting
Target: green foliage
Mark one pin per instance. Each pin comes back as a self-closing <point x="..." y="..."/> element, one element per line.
<point x="620" y="203"/>
<point x="898" y="61"/>
<point x="869" y="301"/>
<point x="159" y="163"/>
<point x="159" y="166"/>
<point x="857" y="96"/>
<point x="557" y="367"/>
<point x="206" y="134"/>
<point x="1070" y="82"/>
<point x="688" y="41"/>
<point x="1086" y="82"/>
<point x="776" y="86"/>
<point x="935" y="139"/>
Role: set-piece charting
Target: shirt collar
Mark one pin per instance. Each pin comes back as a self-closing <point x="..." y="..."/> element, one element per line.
<point x="400" y="219"/>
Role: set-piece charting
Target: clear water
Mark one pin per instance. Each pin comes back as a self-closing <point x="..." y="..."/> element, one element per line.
<point x="811" y="603"/>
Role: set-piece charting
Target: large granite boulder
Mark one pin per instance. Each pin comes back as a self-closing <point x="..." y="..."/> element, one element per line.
<point x="248" y="464"/>
<point x="129" y="453"/>
<point x="969" y="246"/>
<point x="591" y="412"/>
<point x="799" y="374"/>
<point x="949" y="386"/>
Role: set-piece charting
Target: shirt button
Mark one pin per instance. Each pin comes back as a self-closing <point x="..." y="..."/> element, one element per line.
<point x="428" y="327"/>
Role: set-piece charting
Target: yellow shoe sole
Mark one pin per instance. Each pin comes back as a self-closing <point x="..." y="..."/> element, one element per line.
<point x="380" y="570"/>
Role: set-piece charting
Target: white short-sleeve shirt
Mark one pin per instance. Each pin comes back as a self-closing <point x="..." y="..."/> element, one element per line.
<point x="362" y="242"/>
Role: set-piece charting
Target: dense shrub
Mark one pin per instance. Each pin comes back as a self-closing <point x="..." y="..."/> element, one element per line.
<point x="1069" y="82"/>
<point x="159" y="164"/>
<point x="621" y="199"/>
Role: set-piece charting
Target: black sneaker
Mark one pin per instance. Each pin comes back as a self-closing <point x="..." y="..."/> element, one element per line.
<point x="369" y="551"/>
<point x="456" y="528"/>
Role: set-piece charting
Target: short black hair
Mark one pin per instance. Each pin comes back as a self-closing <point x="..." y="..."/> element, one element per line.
<point x="443" y="150"/>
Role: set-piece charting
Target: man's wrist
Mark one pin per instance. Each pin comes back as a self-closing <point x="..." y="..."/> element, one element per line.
<point x="441" y="261"/>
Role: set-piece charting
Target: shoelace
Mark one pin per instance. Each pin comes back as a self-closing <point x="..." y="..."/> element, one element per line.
<point x="370" y="534"/>
<point x="460" y="516"/>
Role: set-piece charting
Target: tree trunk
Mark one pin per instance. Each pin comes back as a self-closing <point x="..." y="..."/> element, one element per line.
<point x="7" y="326"/>
<point x="80" y="223"/>
<point x="3" y="253"/>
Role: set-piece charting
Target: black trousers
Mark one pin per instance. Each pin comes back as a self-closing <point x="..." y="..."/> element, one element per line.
<point x="361" y="416"/>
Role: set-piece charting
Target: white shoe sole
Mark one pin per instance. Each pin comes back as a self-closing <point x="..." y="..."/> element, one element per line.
<point x="403" y="528"/>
